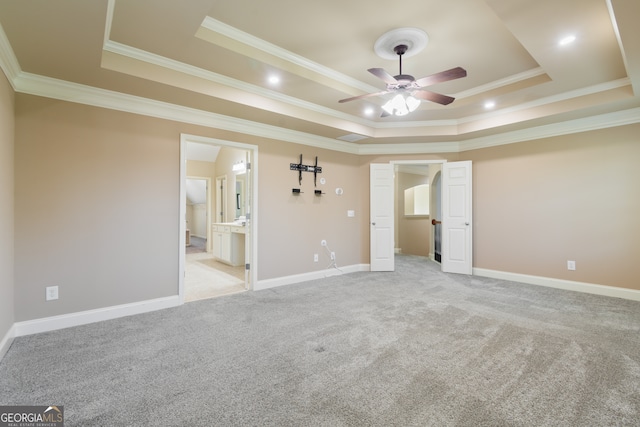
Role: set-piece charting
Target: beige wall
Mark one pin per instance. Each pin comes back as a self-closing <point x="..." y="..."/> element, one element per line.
<point x="96" y="207"/>
<point x="121" y="245"/>
<point x="6" y="206"/>
<point x="577" y="197"/>
<point x="291" y="227"/>
<point x="536" y="205"/>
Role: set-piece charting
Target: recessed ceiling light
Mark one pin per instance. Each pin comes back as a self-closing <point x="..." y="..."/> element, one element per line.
<point x="489" y="105"/>
<point x="368" y="111"/>
<point x="274" y="80"/>
<point x="567" y="40"/>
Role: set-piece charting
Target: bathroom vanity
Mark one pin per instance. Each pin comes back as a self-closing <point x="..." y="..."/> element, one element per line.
<point x="228" y="242"/>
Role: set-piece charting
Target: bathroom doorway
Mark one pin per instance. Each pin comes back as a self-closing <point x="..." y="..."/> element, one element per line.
<point x="225" y="266"/>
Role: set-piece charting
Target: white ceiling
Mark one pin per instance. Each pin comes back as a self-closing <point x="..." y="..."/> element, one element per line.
<point x="208" y="62"/>
<point x="196" y="191"/>
<point x="202" y="152"/>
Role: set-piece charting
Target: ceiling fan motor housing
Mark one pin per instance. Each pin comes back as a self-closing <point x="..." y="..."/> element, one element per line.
<point x="401" y="49"/>
<point x="405" y="81"/>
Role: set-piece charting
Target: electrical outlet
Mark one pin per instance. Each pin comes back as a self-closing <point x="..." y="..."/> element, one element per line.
<point x="323" y="242"/>
<point x="333" y="255"/>
<point x="51" y="293"/>
<point x="571" y="265"/>
<point x="315" y="257"/>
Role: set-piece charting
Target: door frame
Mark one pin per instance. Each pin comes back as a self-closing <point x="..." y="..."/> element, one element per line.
<point x="252" y="275"/>
<point x="221" y="198"/>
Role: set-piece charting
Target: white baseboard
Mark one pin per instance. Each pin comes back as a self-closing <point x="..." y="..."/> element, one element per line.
<point x="90" y="316"/>
<point x="299" y="278"/>
<point x="7" y="340"/>
<point x="589" y="288"/>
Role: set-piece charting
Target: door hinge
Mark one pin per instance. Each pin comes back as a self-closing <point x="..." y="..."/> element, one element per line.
<point x="247" y="266"/>
<point x="248" y="216"/>
<point x="248" y="166"/>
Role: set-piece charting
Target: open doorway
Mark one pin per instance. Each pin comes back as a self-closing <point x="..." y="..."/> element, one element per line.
<point x="416" y="205"/>
<point x="198" y="214"/>
<point x="221" y="264"/>
<point x="456" y="205"/>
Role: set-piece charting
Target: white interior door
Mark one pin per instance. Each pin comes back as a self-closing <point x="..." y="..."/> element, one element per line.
<point x="457" y="251"/>
<point x="381" y="215"/>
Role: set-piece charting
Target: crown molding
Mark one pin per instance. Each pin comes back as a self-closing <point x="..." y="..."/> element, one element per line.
<point x="8" y="61"/>
<point x="73" y="92"/>
<point x="182" y="68"/>
<point x="565" y="96"/>
<point x="525" y="75"/>
<point x="585" y="124"/>
<point x="411" y="148"/>
<point x="233" y="33"/>
<point x="370" y="125"/>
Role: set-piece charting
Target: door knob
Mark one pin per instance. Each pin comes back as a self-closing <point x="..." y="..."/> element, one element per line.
<point x="466" y="223"/>
<point x="373" y="223"/>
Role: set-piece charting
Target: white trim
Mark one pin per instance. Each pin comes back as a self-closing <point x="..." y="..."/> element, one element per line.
<point x="7" y="340"/>
<point x="8" y="61"/>
<point x="589" y="288"/>
<point x="82" y="94"/>
<point x="305" y="277"/>
<point x="496" y="84"/>
<point x="72" y="92"/>
<point x="182" y="238"/>
<point x="548" y="100"/>
<point x="58" y="89"/>
<point x="69" y="320"/>
<point x="190" y="70"/>
<point x="585" y="124"/>
<point x="409" y="148"/>
<point x="254" y="42"/>
<point x="111" y="5"/>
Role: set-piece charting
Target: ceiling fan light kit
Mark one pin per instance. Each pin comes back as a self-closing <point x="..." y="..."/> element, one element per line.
<point x="407" y="42"/>
<point x="399" y="106"/>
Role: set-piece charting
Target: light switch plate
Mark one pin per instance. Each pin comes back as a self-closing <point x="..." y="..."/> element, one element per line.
<point x="51" y="293"/>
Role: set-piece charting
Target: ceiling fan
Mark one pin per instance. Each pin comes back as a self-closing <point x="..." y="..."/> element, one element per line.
<point x="405" y="83"/>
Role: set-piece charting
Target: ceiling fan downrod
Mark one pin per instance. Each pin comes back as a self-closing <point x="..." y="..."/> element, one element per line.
<point x="401" y="49"/>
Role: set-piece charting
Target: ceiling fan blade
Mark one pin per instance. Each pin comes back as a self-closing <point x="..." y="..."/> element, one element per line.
<point x="383" y="75"/>
<point x="433" y="97"/>
<point x="363" y="96"/>
<point x="443" y="76"/>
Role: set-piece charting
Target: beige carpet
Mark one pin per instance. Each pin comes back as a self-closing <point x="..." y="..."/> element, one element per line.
<point x="207" y="278"/>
